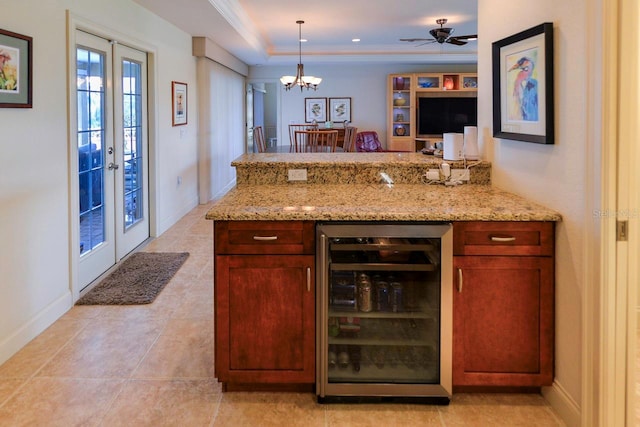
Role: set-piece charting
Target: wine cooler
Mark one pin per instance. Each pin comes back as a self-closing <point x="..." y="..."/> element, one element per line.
<point x="384" y="312"/>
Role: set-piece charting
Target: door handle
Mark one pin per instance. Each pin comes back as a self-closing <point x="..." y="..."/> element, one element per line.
<point x="113" y="166"/>
<point x="459" y="280"/>
<point x="308" y="279"/>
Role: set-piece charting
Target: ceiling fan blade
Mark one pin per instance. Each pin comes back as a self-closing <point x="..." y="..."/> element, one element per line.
<point x="467" y="37"/>
<point x="455" y="41"/>
<point x="413" y="40"/>
<point x="428" y="41"/>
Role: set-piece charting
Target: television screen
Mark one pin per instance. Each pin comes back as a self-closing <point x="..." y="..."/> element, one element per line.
<point x="441" y="115"/>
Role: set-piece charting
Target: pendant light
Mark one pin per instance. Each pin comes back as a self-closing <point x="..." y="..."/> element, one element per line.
<point x="308" y="82"/>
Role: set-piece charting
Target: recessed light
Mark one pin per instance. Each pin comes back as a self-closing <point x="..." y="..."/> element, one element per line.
<point x="355" y="40"/>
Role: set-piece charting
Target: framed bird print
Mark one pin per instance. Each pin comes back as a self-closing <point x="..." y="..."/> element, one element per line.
<point x="523" y="106"/>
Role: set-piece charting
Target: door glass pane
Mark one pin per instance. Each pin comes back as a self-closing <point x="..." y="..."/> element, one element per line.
<point x="90" y="74"/>
<point x="132" y="150"/>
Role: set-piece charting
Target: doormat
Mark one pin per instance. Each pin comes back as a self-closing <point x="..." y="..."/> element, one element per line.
<point x="138" y="280"/>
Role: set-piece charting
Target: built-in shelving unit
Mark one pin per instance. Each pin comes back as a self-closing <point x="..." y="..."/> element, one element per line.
<point x="402" y="91"/>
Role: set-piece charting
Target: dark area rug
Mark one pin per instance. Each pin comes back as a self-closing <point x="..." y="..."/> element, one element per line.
<point x="138" y="280"/>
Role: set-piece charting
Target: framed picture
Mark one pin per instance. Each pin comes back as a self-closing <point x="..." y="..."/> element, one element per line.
<point x="523" y="107"/>
<point x="315" y="109"/>
<point x="16" y="67"/>
<point x="179" y="103"/>
<point x="339" y="109"/>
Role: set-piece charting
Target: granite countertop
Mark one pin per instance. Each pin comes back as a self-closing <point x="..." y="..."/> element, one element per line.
<point x="376" y="202"/>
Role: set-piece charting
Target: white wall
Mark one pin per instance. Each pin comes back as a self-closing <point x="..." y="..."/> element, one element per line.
<point x="35" y="248"/>
<point x="552" y="175"/>
<point x="365" y="84"/>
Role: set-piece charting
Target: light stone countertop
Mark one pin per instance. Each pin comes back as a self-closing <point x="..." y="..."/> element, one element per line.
<point x="376" y="202"/>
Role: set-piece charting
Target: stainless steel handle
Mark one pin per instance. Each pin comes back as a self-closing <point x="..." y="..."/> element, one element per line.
<point x="460" y="280"/>
<point x="308" y="279"/>
<point x="265" y="238"/>
<point x="503" y="239"/>
<point x="113" y="166"/>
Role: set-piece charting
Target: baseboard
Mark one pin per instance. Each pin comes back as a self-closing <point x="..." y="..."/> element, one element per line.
<point x="35" y="326"/>
<point x="564" y="405"/>
<point x="224" y="190"/>
<point x="173" y="219"/>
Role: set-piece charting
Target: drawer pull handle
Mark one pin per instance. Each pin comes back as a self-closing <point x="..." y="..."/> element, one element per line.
<point x="265" y="238"/>
<point x="460" y="280"/>
<point x="503" y="239"/>
<point x="308" y="279"/>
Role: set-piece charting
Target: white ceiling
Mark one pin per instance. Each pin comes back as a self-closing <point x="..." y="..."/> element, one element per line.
<point x="264" y="32"/>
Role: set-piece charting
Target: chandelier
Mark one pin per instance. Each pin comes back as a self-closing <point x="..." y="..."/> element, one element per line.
<point x="308" y="82"/>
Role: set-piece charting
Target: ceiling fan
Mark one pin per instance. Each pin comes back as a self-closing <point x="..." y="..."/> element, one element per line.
<point x="443" y="35"/>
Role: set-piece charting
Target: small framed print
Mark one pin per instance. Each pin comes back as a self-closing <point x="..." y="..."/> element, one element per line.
<point x="179" y="102"/>
<point x="15" y="70"/>
<point x="315" y="109"/>
<point x="523" y="105"/>
<point x="340" y="109"/>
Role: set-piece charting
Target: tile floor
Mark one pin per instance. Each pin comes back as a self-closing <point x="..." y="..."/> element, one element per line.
<point x="152" y="365"/>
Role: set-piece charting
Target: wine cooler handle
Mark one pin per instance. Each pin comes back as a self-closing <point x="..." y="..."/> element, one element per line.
<point x="308" y="279"/>
<point x="460" y="280"/>
<point x="261" y="238"/>
<point x="503" y="239"/>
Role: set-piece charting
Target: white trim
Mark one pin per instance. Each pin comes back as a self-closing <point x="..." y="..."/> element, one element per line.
<point x="563" y="404"/>
<point x="34" y="327"/>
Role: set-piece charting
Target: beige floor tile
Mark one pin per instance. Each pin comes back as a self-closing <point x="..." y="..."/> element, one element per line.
<point x="508" y="410"/>
<point x="60" y="402"/>
<point x="8" y="386"/>
<point x="111" y="348"/>
<point x="165" y="403"/>
<point x="388" y="415"/>
<point x="269" y="410"/>
<point x="183" y="350"/>
<point x="34" y="355"/>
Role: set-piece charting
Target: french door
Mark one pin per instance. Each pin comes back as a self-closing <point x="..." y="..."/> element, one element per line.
<point x="111" y="96"/>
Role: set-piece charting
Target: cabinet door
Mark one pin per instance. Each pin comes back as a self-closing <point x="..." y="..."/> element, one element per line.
<point x="265" y="319"/>
<point x="503" y="321"/>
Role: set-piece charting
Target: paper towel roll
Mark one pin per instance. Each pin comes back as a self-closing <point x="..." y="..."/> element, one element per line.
<point x="471" y="151"/>
<point x="453" y="146"/>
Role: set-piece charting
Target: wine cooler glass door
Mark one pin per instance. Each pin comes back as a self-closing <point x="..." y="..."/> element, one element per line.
<point x="385" y="318"/>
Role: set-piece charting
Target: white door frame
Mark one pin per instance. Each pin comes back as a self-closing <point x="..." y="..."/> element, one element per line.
<point x="610" y="291"/>
<point x="74" y="23"/>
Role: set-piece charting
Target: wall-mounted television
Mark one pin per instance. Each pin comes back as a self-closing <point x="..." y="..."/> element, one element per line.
<point x="440" y="113"/>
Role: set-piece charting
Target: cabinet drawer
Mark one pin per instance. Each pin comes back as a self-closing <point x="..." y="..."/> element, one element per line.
<point x="264" y="237"/>
<point x="503" y="238"/>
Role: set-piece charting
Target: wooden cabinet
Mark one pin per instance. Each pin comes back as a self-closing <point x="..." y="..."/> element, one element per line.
<point x="503" y="304"/>
<point x="264" y="302"/>
<point x="402" y="93"/>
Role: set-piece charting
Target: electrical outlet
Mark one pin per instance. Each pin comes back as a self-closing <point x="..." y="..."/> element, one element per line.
<point x="460" y="175"/>
<point x="433" y="175"/>
<point x="297" y="174"/>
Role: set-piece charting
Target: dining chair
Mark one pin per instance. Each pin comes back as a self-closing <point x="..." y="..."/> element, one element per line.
<point x="295" y="127"/>
<point x="258" y="139"/>
<point x="349" y="143"/>
<point x="316" y="141"/>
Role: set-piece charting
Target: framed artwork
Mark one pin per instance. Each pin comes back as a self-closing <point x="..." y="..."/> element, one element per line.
<point x="339" y="109"/>
<point x="16" y="68"/>
<point x="315" y="109"/>
<point x="523" y="106"/>
<point x="179" y="103"/>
